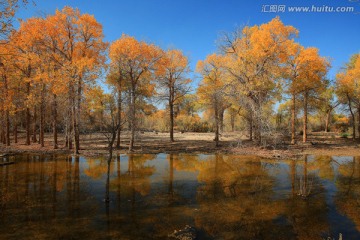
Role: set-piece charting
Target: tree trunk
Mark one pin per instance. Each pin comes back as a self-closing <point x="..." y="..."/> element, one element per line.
<point x="358" y="121"/>
<point x="257" y="124"/>
<point x="15" y="125"/>
<point x="28" y="118"/>
<point x="42" y="127"/>
<point x="251" y="127"/>
<point x="75" y="129"/>
<point x="232" y="119"/>
<point x="171" y="108"/>
<point x="2" y="135"/>
<point x="132" y="118"/>
<point x="68" y="130"/>
<point x="54" y="121"/>
<point x="69" y="124"/>
<point x="7" y="114"/>
<point x="353" y="117"/>
<point x="70" y="133"/>
<point x="221" y="119"/>
<point x="34" y="126"/>
<point x="7" y="128"/>
<point x="293" y="119"/>
<point x="77" y="119"/>
<point x="327" y="120"/>
<point x="42" y="116"/>
<point x="119" y="117"/>
<point x="305" y="116"/>
<point x="217" y="122"/>
<point x="111" y="143"/>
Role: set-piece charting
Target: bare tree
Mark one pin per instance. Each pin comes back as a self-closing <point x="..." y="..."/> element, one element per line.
<point x="172" y="82"/>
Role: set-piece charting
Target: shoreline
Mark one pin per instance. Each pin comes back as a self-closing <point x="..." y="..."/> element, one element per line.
<point x="197" y="143"/>
<point x="296" y="153"/>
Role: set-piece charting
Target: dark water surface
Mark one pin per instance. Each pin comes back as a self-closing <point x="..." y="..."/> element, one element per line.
<point x="149" y="196"/>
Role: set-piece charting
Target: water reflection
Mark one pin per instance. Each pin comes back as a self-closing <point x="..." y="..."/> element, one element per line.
<point x="307" y="210"/>
<point x="236" y="200"/>
<point x="149" y="196"/>
<point x="347" y="197"/>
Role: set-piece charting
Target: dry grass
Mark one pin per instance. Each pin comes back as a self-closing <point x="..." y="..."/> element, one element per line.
<point x="232" y="142"/>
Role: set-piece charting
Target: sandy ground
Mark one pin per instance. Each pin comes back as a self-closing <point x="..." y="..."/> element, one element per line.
<point x="231" y="142"/>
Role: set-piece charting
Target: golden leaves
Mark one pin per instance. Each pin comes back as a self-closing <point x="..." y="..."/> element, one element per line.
<point x="171" y="62"/>
<point x="133" y="62"/>
<point x="138" y="53"/>
<point x="348" y="85"/>
<point x="305" y="68"/>
<point x="214" y="76"/>
<point x="255" y="57"/>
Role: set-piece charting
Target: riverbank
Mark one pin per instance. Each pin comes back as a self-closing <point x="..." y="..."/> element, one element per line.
<point x="232" y="142"/>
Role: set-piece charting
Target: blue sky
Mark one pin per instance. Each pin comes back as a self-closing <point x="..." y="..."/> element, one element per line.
<point x="194" y="26"/>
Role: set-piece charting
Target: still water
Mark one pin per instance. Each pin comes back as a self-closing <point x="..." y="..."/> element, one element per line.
<point x="149" y="196"/>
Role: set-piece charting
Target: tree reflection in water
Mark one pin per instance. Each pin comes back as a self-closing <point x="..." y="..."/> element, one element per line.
<point x="236" y="199"/>
<point x="306" y="209"/>
<point x="149" y="196"/>
<point x="348" y="195"/>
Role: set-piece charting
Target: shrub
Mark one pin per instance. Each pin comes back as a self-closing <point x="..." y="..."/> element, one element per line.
<point x="344" y="135"/>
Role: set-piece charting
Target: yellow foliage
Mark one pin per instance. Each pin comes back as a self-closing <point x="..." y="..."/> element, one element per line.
<point x="348" y="85"/>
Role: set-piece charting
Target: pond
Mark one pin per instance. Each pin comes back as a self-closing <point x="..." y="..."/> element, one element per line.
<point x="149" y="196"/>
